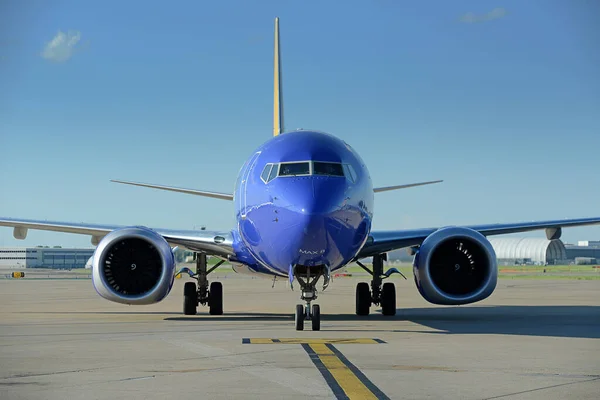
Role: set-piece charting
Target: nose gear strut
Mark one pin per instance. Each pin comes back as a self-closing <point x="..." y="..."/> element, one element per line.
<point x="307" y="278"/>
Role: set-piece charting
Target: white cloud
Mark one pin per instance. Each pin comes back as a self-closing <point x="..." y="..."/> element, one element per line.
<point x="494" y="14"/>
<point x="61" y="47"/>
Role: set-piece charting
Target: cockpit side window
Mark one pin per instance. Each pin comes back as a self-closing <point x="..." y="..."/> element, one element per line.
<point x="273" y="173"/>
<point x="296" y="168"/>
<point x="329" y="169"/>
<point x="350" y="174"/>
<point x="265" y="174"/>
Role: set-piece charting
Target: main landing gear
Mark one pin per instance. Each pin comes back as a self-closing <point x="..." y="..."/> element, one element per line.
<point x="382" y="295"/>
<point x="308" y="277"/>
<point x="194" y="294"/>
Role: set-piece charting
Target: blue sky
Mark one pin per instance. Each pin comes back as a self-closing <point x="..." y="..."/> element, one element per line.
<point x="499" y="99"/>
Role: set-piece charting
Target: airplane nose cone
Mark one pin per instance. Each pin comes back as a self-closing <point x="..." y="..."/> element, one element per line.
<point x="317" y="204"/>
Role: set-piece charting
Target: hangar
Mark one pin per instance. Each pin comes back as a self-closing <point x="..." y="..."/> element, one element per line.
<point x="537" y="251"/>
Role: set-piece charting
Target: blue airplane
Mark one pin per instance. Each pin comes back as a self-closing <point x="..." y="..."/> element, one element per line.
<point x="304" y="208"/>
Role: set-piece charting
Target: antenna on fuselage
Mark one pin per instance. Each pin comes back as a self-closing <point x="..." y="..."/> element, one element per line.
<point x="277" y="86"/>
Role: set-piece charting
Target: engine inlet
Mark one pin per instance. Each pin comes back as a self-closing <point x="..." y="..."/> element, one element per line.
<point x="132" y="266"/>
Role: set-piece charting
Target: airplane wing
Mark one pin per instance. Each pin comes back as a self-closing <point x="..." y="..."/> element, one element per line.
<point x="409" y="185"/>
<point x="384" y="241"/>
<point x="210" y="242"/>
<point x="196" y="192"/>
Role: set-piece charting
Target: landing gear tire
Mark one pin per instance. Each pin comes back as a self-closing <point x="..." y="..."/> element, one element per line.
<point x="388" y="299"/>
<point x="363" y="298"/>
<point x="190" y="298"/>
<point x="316" y="317"/>
<point x="215" y="299"/>
<point x="299" y="317"/>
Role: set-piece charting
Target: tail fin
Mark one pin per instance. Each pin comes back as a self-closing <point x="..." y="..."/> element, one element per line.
<point x="277" y="90"/>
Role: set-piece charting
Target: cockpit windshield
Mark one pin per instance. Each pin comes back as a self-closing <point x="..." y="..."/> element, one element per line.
<point x="325" y="168"/>
<point x="297" y="168"/>
<point x="307" y="168"/>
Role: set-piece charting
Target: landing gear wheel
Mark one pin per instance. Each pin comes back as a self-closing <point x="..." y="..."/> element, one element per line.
<point x="363" y="298"/>
<point x="190" y="298"/>
<point x="299" y="317"/>
<point x="388" y="299"/>
<point x="215" y="299"/>
<point x="316" y="317"/>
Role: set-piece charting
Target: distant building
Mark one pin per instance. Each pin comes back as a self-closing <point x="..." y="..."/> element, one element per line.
<point x="533" y="251"/>
<point x="400" y="255"/>
<point x="42" y="257"/>
<point x="586" y="252"/>
<point x="589" y="243"/>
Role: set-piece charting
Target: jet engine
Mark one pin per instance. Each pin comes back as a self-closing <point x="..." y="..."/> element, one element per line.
<point x="133" y="265"/>
<point x="455" y="265"/>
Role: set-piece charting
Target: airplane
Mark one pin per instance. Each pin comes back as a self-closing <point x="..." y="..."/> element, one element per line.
<point x="303" y="204"/>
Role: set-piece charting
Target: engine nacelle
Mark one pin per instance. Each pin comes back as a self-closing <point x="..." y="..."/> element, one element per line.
<point x="133" y="266"/>
<point x="455" y="265"/>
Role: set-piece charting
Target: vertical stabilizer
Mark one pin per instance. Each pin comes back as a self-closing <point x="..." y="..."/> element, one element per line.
<point x="277" y="89"/>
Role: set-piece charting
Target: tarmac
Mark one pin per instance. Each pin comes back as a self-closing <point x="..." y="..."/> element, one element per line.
<point x="529" y="340"/>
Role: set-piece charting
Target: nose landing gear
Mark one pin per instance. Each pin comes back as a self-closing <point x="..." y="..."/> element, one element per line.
<point x="309" y="293"/>
<point x="305" y="313"/>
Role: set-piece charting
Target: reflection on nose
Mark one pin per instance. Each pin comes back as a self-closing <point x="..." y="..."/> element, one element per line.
<point x="316" y="196"/>
<point x="306" y="223"/>
<point x="312" y="239"/>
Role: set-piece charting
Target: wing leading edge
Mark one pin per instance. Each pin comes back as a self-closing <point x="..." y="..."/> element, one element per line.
<point x="211" y="242"/>
<point x="384" y="241"/>
<point x="196" y="192"/>
<point x="409" y="185"/>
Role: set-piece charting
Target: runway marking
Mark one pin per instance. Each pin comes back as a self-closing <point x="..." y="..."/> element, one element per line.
<point x="424" y="368"/>
<point x="312" y="341"/>
<point x="344" y="378"/>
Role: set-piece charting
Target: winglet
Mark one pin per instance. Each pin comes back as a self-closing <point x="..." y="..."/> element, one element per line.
<point x="277" y="86"/>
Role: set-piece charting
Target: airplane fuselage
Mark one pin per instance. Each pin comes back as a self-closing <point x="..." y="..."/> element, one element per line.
<point x="303" y="198"/>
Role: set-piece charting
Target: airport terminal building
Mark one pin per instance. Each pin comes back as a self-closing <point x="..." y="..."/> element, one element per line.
<point x="44" y="257"/>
